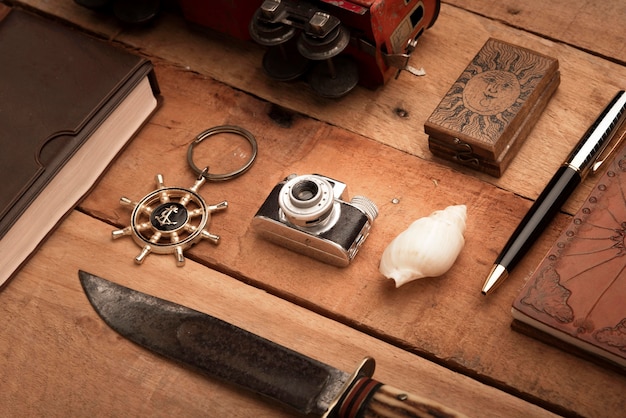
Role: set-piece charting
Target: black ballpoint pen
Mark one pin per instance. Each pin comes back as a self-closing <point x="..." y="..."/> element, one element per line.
<point x="560" y="187"/>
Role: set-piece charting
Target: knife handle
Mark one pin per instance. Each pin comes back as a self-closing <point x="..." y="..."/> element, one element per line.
<point x="368" y="398"/>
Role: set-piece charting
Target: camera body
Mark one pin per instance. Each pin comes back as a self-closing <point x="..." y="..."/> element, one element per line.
<point x="306" y="214"/>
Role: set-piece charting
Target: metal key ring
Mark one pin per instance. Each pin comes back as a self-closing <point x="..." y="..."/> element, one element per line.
<point x="219" y="130"/>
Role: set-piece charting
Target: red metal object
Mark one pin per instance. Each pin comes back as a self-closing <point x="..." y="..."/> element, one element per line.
<point x="378" y="36"/>
<point x="231" y="17"/>
<point x="389" y="26"/>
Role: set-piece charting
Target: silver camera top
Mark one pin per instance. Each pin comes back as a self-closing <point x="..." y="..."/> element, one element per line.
<point x="308" y="200"/>
<point x="311" y="201"/>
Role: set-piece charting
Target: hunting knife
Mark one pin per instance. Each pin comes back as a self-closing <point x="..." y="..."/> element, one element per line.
<point x="234" y="355"/>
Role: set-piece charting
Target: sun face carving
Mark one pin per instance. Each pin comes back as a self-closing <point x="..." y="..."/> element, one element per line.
<point x="169" y="220"/>
<point x="491" y="91"/>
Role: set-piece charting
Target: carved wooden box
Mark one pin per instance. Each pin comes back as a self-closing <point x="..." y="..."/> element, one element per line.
<point x="488" y="112"/>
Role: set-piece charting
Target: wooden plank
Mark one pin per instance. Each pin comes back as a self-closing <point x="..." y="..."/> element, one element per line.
<point x="100" y="24"/>
<point x="395" y="114"/>
<point x="597" y="27"/>
<point x="60" y="359"/>
<point x="593" y="27"/>
<point x="444" y="52"/>
<point x="423" y="315"/>
<point x="342" y="141"/>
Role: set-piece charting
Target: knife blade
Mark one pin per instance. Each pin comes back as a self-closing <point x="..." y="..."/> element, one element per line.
<point x="241" y="358"/>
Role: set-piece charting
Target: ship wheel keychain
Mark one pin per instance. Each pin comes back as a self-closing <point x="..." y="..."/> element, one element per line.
<point x="169" y="220"/>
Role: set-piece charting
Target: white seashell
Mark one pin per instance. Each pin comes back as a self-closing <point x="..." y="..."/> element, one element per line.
<point x="428" y="248"/>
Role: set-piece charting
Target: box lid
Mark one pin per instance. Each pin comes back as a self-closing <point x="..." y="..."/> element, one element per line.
<point x="492" y="106"/>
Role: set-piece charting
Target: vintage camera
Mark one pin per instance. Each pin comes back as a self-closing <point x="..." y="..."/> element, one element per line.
<point x="306" y="214"/>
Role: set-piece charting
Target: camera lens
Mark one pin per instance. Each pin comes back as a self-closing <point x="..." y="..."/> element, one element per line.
<point x="305" y="191"/>
<point x="306" y="200"/>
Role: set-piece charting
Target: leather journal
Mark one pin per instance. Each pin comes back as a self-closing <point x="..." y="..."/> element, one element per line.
<point x="576" y="298"/>
<point x="488" y="112"/>
<point x="68" y="104"/>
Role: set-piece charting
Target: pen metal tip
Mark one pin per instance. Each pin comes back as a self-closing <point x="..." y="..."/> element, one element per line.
<point x="497" y="275"/>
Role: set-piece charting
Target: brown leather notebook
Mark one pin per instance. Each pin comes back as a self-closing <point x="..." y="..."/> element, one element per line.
<point x="577" y="295"/>
<point x="65" y="98"/>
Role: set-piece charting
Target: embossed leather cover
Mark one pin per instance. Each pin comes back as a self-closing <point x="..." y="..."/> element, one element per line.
<point x="577" y="295"/>
<point x="491" y="108"/>
<point x="57" y="85"/>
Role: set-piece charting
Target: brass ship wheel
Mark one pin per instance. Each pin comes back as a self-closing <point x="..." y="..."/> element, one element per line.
<point x="169" y="220"/>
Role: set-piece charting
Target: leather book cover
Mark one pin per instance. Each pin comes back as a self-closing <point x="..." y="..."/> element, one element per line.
<point x="491" y="108"/>
<point x="57" y="85"/>
<point x="577" y="295"/>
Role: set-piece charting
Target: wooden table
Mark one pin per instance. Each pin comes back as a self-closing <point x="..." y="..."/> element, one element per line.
<point x="438" y="337"/>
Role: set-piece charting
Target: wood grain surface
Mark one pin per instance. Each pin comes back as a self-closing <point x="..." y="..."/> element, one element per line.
<point x="62" y="360"/>
<point x="438" y="337"/>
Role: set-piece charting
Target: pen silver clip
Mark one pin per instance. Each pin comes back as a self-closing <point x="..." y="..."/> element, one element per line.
<point x="607" y="155"/>
<point x="598" y="137"/>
